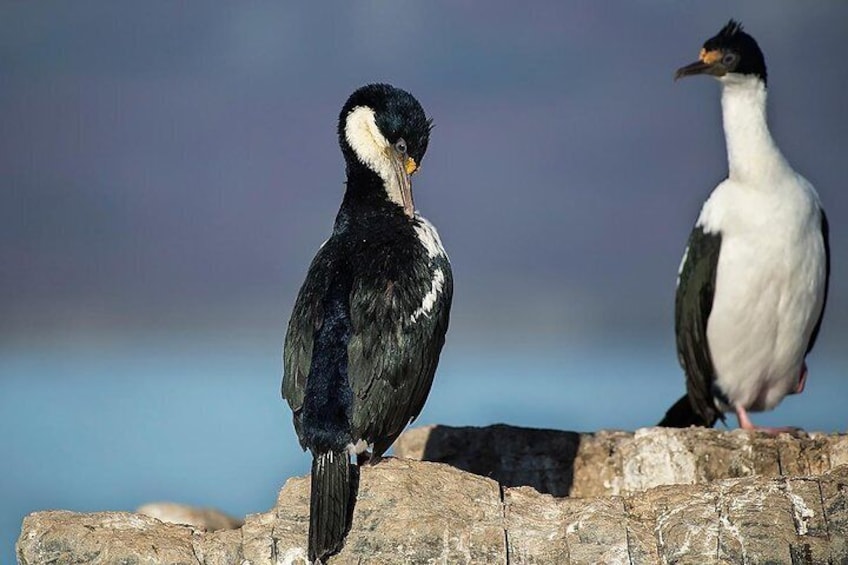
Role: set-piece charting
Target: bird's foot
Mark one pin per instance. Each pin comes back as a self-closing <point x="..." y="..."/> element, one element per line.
<point x="802" y="380"/>
<point x="791" y="430"/>
<point x="746" y="424"/>
<point x="367" y="458"/>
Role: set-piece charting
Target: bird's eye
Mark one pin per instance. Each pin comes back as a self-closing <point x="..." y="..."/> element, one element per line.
<point x="400" y="145"/>
<point x="728" y="59"/>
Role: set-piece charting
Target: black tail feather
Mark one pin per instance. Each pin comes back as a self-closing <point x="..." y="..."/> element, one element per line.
<point x="335" y="482"/>
<point x="682" y="415"/>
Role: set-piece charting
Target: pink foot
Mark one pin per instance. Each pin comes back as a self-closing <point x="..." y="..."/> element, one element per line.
<point x="746" y="424"/>
<point x="802" y="380"/>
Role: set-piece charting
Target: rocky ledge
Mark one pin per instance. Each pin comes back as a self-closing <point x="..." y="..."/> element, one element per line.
<point x="656" y="496"/>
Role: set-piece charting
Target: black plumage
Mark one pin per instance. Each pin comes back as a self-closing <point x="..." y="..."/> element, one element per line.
<point x="825" y="233"/>
<point x="370" y="320"/>
<point x="692" y="307"/>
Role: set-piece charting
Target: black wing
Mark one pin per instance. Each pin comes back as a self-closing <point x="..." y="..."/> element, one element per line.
<point x="825" y="232"/>
<point x="307" y="317"/>
<point x="693" y="304"/>
<point x="392" y="354"/>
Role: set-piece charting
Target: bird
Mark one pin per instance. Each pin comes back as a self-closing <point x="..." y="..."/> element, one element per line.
<point x="752" y="285"/>
<point x="370" y="319"/>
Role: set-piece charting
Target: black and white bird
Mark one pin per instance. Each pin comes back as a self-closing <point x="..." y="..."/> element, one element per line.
<point x="370" y="320"/>
<point x="752" y="285"/>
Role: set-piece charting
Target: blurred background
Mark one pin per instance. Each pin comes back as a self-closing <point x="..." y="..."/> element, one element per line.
<point x="169" y="169"/>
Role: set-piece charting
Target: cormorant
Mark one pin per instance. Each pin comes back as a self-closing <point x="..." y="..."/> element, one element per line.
<point x="752" y="285"/>
<point x="370" y="320"/>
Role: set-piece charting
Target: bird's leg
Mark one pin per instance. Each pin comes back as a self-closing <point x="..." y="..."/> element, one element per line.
<point x="746" y="424"/>
<point x="368" y="458"/>
<point x="363" y="458"/>
<point x="802" y="380"/>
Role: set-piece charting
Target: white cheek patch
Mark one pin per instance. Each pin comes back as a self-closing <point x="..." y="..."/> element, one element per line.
<point x="429" y="301"/>
<point x="365" y="139"/>
<point x="372" y="148"/>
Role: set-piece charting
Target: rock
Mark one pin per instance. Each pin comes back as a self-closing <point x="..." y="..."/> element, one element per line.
<point x="102" y="537"/>
<point x="611" y="462"/>
<point x="423" y="512"/>
<point x="404" y="513"/>
<point x="543" y="459"/>
<point x="208" y="519"/>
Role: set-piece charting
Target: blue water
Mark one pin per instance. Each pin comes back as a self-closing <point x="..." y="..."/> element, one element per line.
<point x="112" y="425"/>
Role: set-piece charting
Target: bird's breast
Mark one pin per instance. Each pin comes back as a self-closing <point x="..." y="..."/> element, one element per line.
<point x="403" y="273"/>
<point x="768" y="294"/>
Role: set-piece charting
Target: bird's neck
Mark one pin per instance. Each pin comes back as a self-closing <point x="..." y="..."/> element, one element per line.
<point x="752" y="155"/>
<point x="366" y="202"/>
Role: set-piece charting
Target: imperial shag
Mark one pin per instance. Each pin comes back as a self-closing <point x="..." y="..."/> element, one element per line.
<point x="752" y="285"/>
<point x="369" y="322"/>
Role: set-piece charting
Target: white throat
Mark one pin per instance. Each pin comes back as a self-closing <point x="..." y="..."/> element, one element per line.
<point x="752" y="155"/>
<point x="375" y="152"/>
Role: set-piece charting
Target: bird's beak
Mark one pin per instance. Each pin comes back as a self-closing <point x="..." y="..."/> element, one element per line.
<point x="708" y="63"/>
<point x="404" y="166"/>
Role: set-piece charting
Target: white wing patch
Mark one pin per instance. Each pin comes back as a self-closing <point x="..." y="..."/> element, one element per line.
<point x="429" y="238"/>
<point x="682" y="263"/>
<point x="429" y="301"/>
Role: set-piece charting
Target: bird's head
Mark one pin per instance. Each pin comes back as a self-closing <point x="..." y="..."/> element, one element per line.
<point x="731" y="53"/>
<point x="383" y="131"/>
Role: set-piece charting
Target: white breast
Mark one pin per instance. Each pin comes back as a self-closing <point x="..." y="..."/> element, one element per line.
<point x="769" y="287"/>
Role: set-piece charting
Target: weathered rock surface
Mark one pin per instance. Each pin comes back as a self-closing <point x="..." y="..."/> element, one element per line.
<point x="612" y="462"/>
<point x="421" y="512"/>
<point x="208" y="519"/>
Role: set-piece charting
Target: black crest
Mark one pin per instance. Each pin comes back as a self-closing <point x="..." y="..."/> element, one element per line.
<point x="732" y="28"/>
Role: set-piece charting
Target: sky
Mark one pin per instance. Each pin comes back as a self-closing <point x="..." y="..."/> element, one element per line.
<point x="177" y="166"/>
<point x="169" y="169"/>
